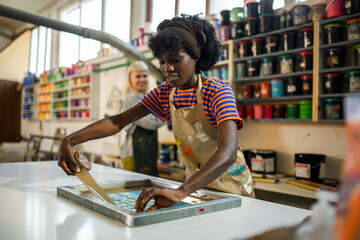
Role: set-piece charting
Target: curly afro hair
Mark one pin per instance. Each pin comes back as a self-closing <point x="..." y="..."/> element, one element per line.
<point x="165" y="41"/>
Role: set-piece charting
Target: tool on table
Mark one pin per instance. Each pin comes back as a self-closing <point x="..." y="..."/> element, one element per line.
<point x="88" y="180"/>
<point x="302" y="185"/>
<point x="266" y="180"/>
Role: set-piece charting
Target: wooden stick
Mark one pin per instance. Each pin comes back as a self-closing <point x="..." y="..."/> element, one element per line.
<point x="302" y="185"/>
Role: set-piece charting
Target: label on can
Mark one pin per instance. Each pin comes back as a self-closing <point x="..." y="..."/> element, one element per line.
<point x="306" y="86"/>
<point x="291" y="88"/>
<point x="354" y="82"/>
<point x="333" y="60"/>
<point x="258" y="163"/>
<point x="328" y="84"/>
<point x="302" y="170"/>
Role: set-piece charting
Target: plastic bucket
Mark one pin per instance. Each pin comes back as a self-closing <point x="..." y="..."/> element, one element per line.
<point x="266" y="22"/>
<point x="268" y="66"/>
<point x="252" y="9"/>
<point x="293" y="86"/>
<point x="277" y="88"/>
<point x="300" y="14"/>
<point x="258" y="111"/>
<point x="354" y="81"/>
<point x="353" y="28"/>
<point x="307" y="166"/>
<point x="279" y="111"/>
<point x="288" y="41"/>
<point x="334" y="8"/>
<point x="244" y="49"/>
<point x="271" y="44"/>
<point x="225" y="33"/>
<point x="307" y="82"/>
<point x="253" y="26"/>
<point x="305" y="109"/>
<point x="307" y="36"/>
<point x="266" y="6"/>
<point x="333" y="32"/>
<point x="265" y="90"/>
<point x="225" y="17"/>
<point x="257" y="91"/>
<point x="241" y="69"/>
<point x="237" y="29"/>
<point x="248" y="91"/>
<point x="293" y="111"/>
<point x="238" y="14"/>
<point x="268" y="111"/>
<point x="253" y="67"/>
<point x="257" y="46"/>
<point x="333" y="108"/>
<point x="249" y="111"/>
<point x="335" y="57"/>
<point x="333" y="83"/>
<point x="287" y="63"/>
<point x="306" y="60"/>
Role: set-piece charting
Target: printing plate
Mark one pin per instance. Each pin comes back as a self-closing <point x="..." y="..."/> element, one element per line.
<point x="123" y="192"/>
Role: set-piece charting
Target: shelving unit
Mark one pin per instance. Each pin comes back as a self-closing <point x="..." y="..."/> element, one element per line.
<point x="238" y="82"/>
<point x="29" y="102"/>
<point x="224" y="69"/>
<point x="69" y="98"/>
<point x="349" y="65"/>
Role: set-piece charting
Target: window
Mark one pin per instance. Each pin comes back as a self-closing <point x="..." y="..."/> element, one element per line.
<point x="192" y="7"/>
<point x="69" y="43"/>
<point x="159" y="14"/>
<point x="40" y="50"/>
<point x="217" y="6"/>
<point x="73" y="47"/>
<point x="91" y="18"/>
<point x="117" y="18"/>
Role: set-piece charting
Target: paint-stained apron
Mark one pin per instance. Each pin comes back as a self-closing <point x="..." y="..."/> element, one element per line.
<point x="196" y="139"/>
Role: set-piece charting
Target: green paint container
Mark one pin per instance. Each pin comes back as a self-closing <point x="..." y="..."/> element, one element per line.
<point x="293" y="111"/>
<point x="305" y="109"/>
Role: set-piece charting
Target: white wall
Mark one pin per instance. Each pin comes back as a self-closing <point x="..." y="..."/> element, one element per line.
<point x="14" y="60"/>
<point x="290" y="138"/>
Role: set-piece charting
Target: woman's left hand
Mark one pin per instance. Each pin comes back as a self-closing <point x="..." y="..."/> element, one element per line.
<point x="164" y="197"/>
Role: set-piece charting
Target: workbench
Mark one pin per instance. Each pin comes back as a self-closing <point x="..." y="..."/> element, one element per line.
<point x="30" y="209"/>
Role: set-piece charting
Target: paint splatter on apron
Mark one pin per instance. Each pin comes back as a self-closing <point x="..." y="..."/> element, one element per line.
<point x="197" y="140"/>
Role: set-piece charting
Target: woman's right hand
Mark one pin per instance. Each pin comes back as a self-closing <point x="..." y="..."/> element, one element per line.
<point x="66" y="158"/>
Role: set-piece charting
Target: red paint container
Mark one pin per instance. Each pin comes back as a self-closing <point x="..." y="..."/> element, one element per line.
<point x="334" y="8"/>
<point x="258" y="111"/>
<point x="241" y="110"/>
<point x="248" y="91"/>
<point x="265" y="90"/>
<point x="250" y="112"/>
<point x="268" y="111"/>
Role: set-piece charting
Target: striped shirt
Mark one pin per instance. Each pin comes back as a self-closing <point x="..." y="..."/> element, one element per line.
<point x="218" y="101"/>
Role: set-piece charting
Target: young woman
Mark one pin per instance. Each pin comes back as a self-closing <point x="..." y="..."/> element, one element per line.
<point x="202" y="112"/>
<point x="140" y="145"/>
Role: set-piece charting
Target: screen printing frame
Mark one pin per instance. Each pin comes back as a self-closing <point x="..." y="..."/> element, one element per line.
<point x="201" y="202"/>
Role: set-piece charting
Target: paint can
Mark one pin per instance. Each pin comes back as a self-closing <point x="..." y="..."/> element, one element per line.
<point x="257" y="91"/>
<point x="265" y="90"/>
<point x="241" y="68"/>
<point x="305" y="109"/>
<point x="279" y="111"/>
<point x="258" y="111"/>
<point x="333" y="108"/>
<point x="354" y="81"/>
<point x="250" y="112"/>
<point x="277" y="88"/>
<point x="293" y="111"/>
<point x="263" y="161"/>
<point x="307" y="166"/>
<point x="225" y="33"/>
<point x="334" y="8"/>
<point x="307" y="82"/>
<point x="268" y="111"/>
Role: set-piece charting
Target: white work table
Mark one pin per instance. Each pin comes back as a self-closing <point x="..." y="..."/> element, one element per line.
<point x="30" y="209"/>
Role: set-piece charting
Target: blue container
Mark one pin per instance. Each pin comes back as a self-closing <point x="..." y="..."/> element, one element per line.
<point x="277" y="88"/>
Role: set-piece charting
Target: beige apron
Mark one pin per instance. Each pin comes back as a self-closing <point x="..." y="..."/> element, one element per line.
<point x="197" y="140"/>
